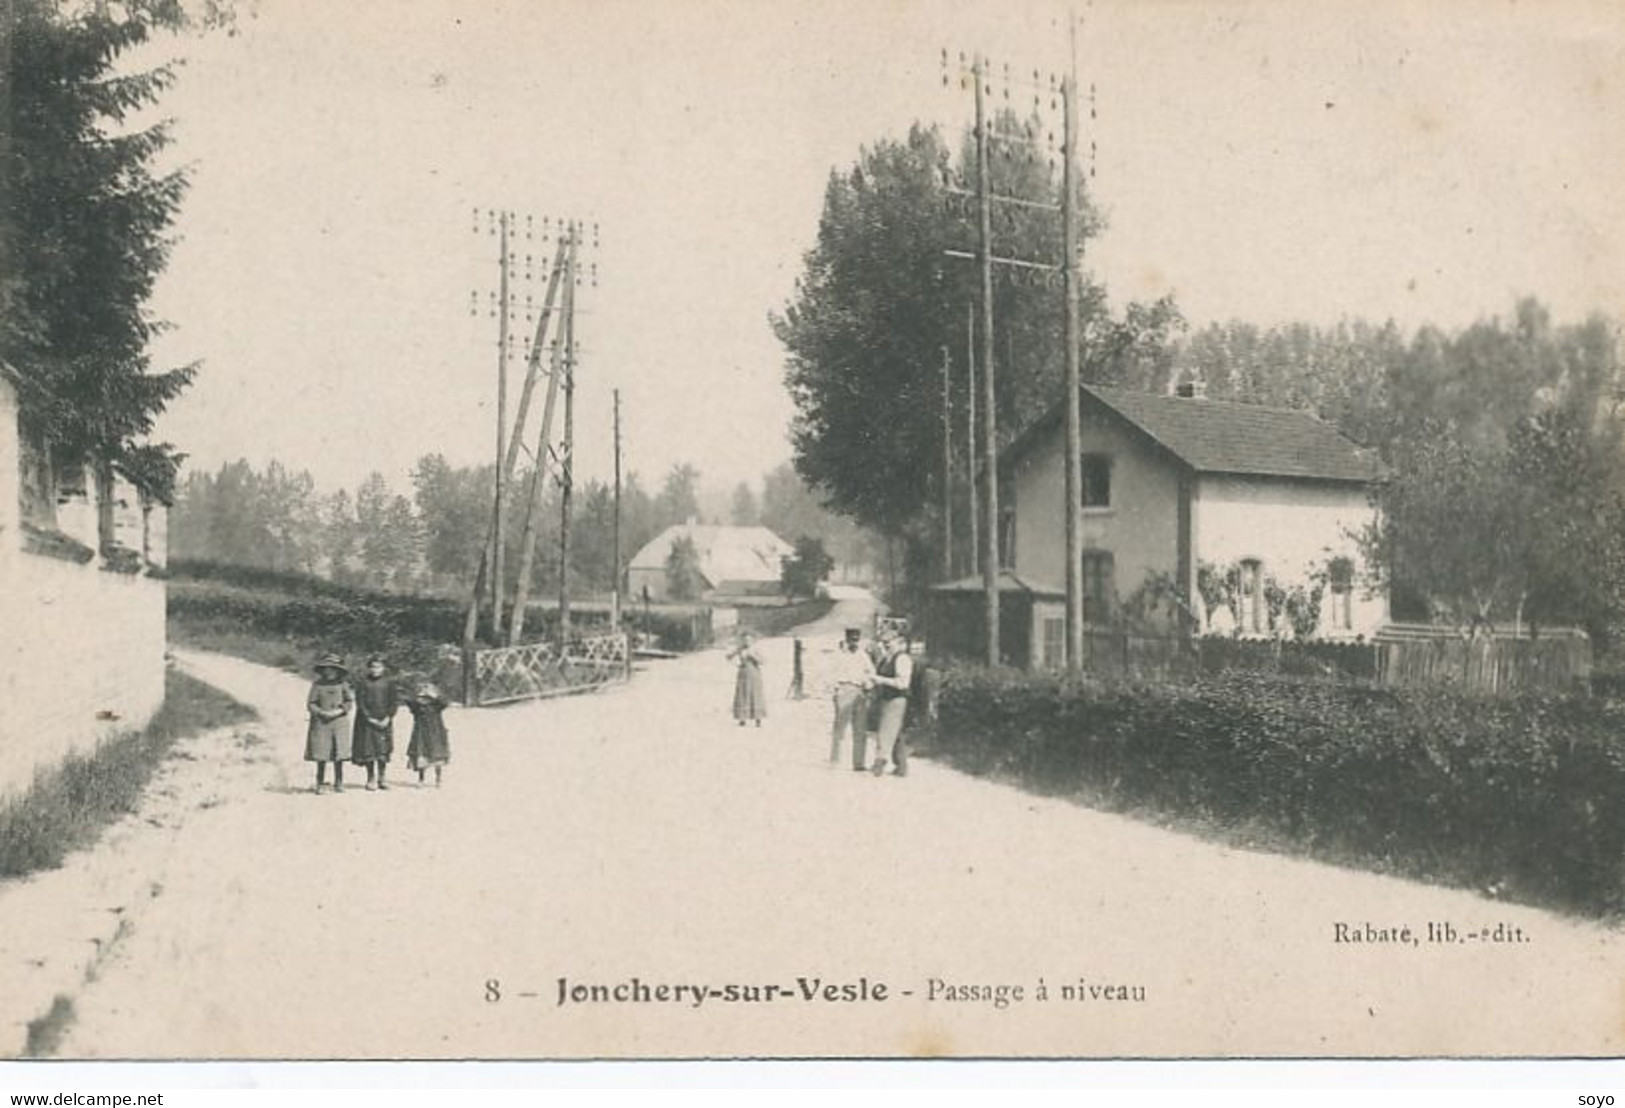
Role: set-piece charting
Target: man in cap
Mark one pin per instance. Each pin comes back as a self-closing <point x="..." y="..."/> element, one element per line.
<point x="851" y="675"/>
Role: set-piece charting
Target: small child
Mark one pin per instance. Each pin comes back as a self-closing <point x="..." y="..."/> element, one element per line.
<point x="430" y="745"/>
<point x="374" y="741"/>
<point x="328" y="740"/>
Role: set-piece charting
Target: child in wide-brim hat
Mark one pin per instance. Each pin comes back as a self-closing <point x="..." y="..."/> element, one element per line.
<point x="329" y="703"/>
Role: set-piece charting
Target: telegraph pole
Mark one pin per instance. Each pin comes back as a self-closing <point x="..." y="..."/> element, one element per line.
<point x="990" y="460"/>
<point x="988" y="540"/>
<point x="615" y="587"/>
<point x="567" y="460"/>
<point x="538" y="473"/>
<point x="500" y="531"/>
<point x="947" y="469"/>
<point x="970" y="435"/>
<point x="1074" y="430"/>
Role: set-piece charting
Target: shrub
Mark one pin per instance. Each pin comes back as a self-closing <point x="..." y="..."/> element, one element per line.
<point x="1524" y="793"/>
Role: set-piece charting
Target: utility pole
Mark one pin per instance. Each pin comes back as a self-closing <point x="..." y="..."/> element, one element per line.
<point x="1074" y="430"/>
<point x="988" y="540"/>
<point x="990" y="461"/>
<point x="499" y="535"/>
<point x="947" y="469"/>
<point x="567" y="461"/>
<point x="615" y="587"/>
<point x="533" y="360"/>
<point x="970" y="435"/>
<point x="538" y="473"/>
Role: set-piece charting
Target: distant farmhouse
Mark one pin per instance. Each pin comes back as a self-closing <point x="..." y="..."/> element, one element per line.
<point x="1226" y="518"/>
<point x="732" y="561"/>
<point x="81" y="605"/>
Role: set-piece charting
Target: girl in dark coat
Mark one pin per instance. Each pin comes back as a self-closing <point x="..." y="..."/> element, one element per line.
<point x="430" y="745"/>
<point x="376" y="701"/>
<point x="328" y="739"/>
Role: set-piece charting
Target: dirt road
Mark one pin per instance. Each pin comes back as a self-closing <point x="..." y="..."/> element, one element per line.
<point x="637" y="840"/>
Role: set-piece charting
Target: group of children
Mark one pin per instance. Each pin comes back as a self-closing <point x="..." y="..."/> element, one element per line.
<point x="370" y="740"/>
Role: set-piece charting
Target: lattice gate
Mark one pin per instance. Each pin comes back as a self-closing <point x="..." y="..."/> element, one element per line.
<point x="535" y="670"/>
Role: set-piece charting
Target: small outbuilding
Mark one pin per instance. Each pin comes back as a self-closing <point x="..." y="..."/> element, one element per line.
<point x="952" y="620"/>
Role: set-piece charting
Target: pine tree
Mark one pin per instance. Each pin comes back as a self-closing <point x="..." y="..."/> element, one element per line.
<point x="88" y="235"/>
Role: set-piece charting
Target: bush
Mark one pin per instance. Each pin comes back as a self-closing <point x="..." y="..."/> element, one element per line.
<point x="1524" y="793"/>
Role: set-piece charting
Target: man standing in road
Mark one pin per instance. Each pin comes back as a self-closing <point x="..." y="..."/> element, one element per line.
<point x="851" y="676"/>
<point x="893" y="676"/>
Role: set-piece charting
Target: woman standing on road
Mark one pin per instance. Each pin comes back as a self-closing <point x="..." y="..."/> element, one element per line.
<point x="328" y="740"/>
<point x="749" y="701"/>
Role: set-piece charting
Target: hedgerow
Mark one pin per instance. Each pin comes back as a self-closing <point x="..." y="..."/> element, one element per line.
<point x="1522" y="795"/>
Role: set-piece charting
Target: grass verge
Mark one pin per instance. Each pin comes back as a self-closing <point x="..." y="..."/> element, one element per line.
<point x="68" y="807"/>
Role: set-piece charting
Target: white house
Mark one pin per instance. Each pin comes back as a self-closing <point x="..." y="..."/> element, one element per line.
<point x="733" y="561"/>
<point x="82" y="602"/>
<point x="1246" y="514"/>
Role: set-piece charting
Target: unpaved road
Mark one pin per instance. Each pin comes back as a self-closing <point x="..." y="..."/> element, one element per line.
<point x="638" y="833"/>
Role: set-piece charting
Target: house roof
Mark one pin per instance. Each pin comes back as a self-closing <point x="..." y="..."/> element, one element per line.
<point x="1009" y="581"/>
<point x="726" y="553"/>
<point x="1217" y="436"/>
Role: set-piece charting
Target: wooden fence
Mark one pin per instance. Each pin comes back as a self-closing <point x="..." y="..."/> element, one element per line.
<point x="535" y="670"/>
<point x="1557" y="663"/>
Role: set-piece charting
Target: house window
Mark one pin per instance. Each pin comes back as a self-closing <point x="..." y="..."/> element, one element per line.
<point x="1097" y="481"/>
<point x="1007" y="538"/>
<point x="1253" y="617"/>
<point x="1098" y="588"/>
<point x="1054" y="642"/>
<point x="1340" y="583"/>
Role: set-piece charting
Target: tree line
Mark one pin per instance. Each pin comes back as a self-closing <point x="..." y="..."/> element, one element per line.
<point x="428" y="538"/>
<point x="1503" y="498"/>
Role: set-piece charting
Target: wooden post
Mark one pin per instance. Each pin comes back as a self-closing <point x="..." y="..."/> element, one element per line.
<point x="970" y="436"/>
<point x="533" y="363"/>
<point x="947" y="469"/>
<point x="615" y="584"/>
<point x="990" y="460"/>
<point x="533" y="507"/>
<point x="500" y="533"/>
<point x="1074" y="431"/>
<point x="567" y="465"/>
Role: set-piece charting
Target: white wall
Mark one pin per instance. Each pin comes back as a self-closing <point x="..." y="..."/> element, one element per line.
<point x="1293" y="528"/>
<point x="81" y="648"/>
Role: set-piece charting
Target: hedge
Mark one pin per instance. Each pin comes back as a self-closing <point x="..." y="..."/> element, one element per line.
<point x="298" y="617"/>
<point x="1524" y="795"/>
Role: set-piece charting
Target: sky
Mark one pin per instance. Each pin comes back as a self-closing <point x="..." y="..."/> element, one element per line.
<point x="1260" y="159"/>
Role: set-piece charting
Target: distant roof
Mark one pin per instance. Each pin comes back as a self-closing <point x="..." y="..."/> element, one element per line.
<point x="1218" y="436"/>
<point x="1009" y="581"/>
<point x="726" y="553"/>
